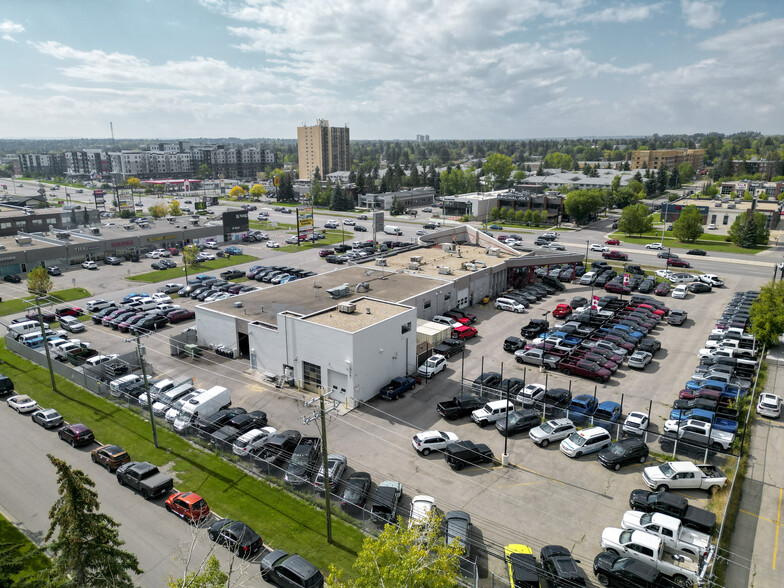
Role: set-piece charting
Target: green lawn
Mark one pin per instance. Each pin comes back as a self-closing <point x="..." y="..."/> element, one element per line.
<point x="21" y="304"/>
<point x="333" y="236"/>
<point x="283" y="520"/>
<point x="178" y="272"/>
<point x="10" y="535"/>
<point x="268" y="226"/>
<point x="708" y="242"/>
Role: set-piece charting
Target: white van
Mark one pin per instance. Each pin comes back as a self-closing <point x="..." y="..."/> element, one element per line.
<point x="492" y="412"/>
<point x="392" y="230"/>
<point x="19" y="329"/>
<point x="682" y="278"/>
<point x="168" y="398"/>
<point x="142" y="304"/>
<point x="172" y="413"/>
<point x="508" y="304"/>
<point x="588" y="278"/>
<point x="202" y="406"/>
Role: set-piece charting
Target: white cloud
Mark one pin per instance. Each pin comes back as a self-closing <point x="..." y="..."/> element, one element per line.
<point x="9" y="28"/>
<point x="623" y="13"/>
<point x="752" y="39"/>
<point x="702" y="14"/>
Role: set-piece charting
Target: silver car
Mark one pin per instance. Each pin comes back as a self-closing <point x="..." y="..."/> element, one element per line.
<point x="551" y="431"/>
<point x="48" y="418"/>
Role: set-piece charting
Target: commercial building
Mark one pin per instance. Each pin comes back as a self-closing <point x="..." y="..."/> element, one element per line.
<point x="353" y="329"/>
<point x="669" y="158"/>
<point x="409" y="198"/>
<point x="479" y="205"/>
<point x="758" y="188"/>
<point x="555" y="179"/>
<point x="323" y="148"/>
<point x="765" y="168"/>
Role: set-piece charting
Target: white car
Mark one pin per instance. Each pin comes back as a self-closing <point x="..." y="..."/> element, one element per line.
<point x="217" y="297"/>
<point x="680" y="291"/>
<point x="163" y="252"/>
<point x="331" y="224"/>
<point x="636" y="423"/>
<point x="22" y="403"/>
<point x="507" y="304"/>
<point x="349" y="222"/>
<point x="769" y="405"/>
<point x="90" y="265"/>
<point x="550" y="431"/>
<point x="664" y="273"/>
<point x="599" y="248"/>
<point x="712" y="280"/>
<point x="204" y="256"/>
<point x="253" y="440"/>
<point x="273" y="244"/>
<point x="654" y="246"/>
<point x="165" y="307"/>
<point x="153" y="254"/>
<point x="434" y="364"/>
<point x="429" y="441"/>
<point x="640" y="359"/>
<point x="421" y="507"/>
<point x="531" y="394"/>
<point x="98" y="304"/>
<point x="211" y="245"/>
<point x="161" y="297"/>
<point x="712" y="227"/>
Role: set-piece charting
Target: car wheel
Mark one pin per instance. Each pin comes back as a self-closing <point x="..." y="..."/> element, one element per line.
<point x="73" y="443"/>
<point x="545" y="442"/>
<point x="662" y="487"/>
<point x="603" y="579"/>
<point x="578" y="455"/>
<point x="613" y="551"/>
<point x="482" y="424"/>
<point x="108" y="467"/>
<point x="518" y="360"/>
<point x="167" y="507"/>
<point x="265" y="575"/>
<point x="713" y="490"/>
<point x="682" y="581"/>
<point x="92" y="457"/>
<point x="566" y="371"/>
<point x="145" y="494"/>
<point x="120" y="480"/>
<point x="426" y="452"/>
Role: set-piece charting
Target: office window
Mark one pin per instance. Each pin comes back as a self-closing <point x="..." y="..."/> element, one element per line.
<point x="406" y="328"/>
<point x="427" y="304"/>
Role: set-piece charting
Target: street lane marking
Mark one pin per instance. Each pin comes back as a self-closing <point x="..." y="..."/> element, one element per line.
<point x="776" y="541"/>
<point x="757" y="516"/>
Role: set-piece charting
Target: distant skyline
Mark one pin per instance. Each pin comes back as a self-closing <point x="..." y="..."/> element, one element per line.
<point x="503" y="69"/>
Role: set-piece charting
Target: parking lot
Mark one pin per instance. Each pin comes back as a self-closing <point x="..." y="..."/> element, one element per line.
<point x="543" y="497"/>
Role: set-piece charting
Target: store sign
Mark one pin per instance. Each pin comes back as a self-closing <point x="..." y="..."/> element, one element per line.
<point x="162" y="238"/>
<point x="235" y="221"/>
<point x="121" y="243"/>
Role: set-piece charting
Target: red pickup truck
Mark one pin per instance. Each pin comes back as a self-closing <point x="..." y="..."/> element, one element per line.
<point x="615" y="255"/>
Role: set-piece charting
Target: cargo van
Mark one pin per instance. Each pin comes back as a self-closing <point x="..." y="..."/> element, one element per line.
<point x="32" y="340"/>
<point x="392" y="230"/>
<point x="19" y="329"/>
<point x="168" y="398"/>
<point x="202" y="406"/>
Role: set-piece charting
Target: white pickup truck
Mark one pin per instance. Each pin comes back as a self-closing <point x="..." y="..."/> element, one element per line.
<point x="649" y="549"/>
<point x="698" y="433"/>
<point x="684" y="474"/>
<point x="676" y="537"/>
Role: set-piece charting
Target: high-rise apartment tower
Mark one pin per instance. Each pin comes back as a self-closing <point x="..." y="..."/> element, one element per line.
<point x="323" y="147"/>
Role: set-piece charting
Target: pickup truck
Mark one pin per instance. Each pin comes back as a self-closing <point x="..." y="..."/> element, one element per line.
<point x="684" y="474"/>
<point x="649" y="549"/>
<point x="460" y="406"/>
<point x="534" y="328"/>
<point x="79" y="356"/>
<point x="61" y="350"/>
<point x="462" y="453"/>
<point x="537" y="357"/>
<point x="280" y="447"/>
<point x="676" y="537"/>
<point x="699" y="434"/>
<point x="739" y="348"/>
<point x="585" y="369"/>
<point x="677" y="317"/>
<point x="449" y="347"/>
<point x="144" y="478"/>
<point x="706" y="416"/>
<point x="559" y="339"/>
<point x="675" y="506"/>
<point x="396" y="387"/>
<point x="383" y="508"/>
<point x="304" y="461"/>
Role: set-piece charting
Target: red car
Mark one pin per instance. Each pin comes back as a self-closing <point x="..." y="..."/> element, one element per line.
<point x="457" y="317"/>
<point x="677" y="262"/>
<point x="612" y="242"/>
<point x="562" y="311"/>
<point x="617" y="288"/>
<point x="181" y="314"/>
<point x="188" y="505"/>
<point x="324" y="252"/>
<point x="615" y="255"/>
<point x="464" y="332"/>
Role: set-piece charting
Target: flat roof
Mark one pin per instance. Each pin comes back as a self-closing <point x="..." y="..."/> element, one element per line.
<point x="435" y="259"/>
<point x="309" y="295"/>
<point x="369" y="311"/>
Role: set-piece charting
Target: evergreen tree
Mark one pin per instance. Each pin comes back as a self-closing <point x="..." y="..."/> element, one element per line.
<point x="286" y="189"/>
<point x="397" y="207"/>
<point x="87" y="547"/>
<point x="748" y="234"/>
<point x="360" y="183"/>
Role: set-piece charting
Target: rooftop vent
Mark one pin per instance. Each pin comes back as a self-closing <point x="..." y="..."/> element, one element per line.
<point x="447" y="247"/>
<point x="362" y="287"/>
<point x="494" y="251"/>
<point x="339" y="291"/>
<point x="24" y="240"/>
<point x="347" y="307"/>
<point x="238" y="304"/>
<point x="471" y="267"/>
<point x="445" y="271"/>
<point x="416" y="259"/>
<point x="381" y="262"/>
<point x="413" y="265"/>
<point x="95" y="231"/>
<point x="62" y="235"/>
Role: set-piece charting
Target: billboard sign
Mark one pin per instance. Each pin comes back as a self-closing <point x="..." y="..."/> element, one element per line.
<point x="305" y="221"/>
<point x="378" y="221"/>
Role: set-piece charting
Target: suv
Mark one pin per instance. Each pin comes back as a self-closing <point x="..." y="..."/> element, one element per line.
<point x="492" y="412"/>
<point x="462" y="453"/>
<point x="586" y="441"/>
<point x="72" y="324"/>
<point x="383" y="509"/>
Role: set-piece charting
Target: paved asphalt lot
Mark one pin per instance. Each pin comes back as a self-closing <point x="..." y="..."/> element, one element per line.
<point x="544" y="497"/>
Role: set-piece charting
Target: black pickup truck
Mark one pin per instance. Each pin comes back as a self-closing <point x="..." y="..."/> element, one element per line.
<point x="449" y="347"/>
<point x="674" y="506"/>
<point x="534" y="328"/>
<point x="462" y="453"/>
<point x="460" y="406"/>
<point x="144" y="478"/>
<point x="304" y="461"/>
<point x="280" y="447"/>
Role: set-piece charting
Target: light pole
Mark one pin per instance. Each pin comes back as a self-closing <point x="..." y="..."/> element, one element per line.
<point x="586" y="254"/>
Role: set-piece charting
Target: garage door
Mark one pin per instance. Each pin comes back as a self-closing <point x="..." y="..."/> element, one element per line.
<point x="462" y="298"/>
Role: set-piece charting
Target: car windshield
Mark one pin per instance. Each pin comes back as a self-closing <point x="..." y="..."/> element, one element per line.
<point x="617" y="449"/>
<point x="546" y="427"/>
<point x="666" y="469"/>
<point x="576" y="439"/>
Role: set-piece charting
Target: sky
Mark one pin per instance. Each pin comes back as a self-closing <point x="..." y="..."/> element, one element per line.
<point x="390" y="69"/>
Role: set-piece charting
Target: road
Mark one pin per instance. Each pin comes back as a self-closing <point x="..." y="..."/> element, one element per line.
<point x="28" y="488"/>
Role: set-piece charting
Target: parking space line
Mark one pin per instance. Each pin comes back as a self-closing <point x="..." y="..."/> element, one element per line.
<point x="524" y="484"/>
<point x="778" y="521"/>
<point x="757" y="516"/>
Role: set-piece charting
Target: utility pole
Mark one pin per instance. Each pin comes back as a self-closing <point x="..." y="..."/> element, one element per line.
<point x="324" y="453"/>
<point x="46" y="343"/>
<point x="138" y="339"/>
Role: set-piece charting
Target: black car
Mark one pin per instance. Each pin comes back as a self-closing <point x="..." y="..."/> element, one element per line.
<point x="151" y="322"/>
<point x="512" y="344"/>
<point x="163" y="264"/>
<point x="696" y="252"/>
<point x="518" y="421"/>
<point x="578" y="301"/>
<point x="457" y="529"/>
<point x="290" y="571"/>
<point x="699" y="288"/>
<point x="556" y="400"/>
<point x="650" y="345"/>
<point x="663" y="502"/>
<point x="647" y="285"/>
<point x="236" y="536"/>
<point x="560" y="567"/>
<point x="534" y="328"/>
<point x="613" y="570"/>
<point x="98" y="316"/>
<point x="356" y="491"/>
<point x="624" y="452"/>
<point x="13" y="278"/>
<point x="53" y="270"/>
<point x="486" y="380"/>
<point x="206" y="427"/>
<point x="232" y="274"/>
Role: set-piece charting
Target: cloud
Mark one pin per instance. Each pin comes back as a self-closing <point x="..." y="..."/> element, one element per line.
<point x="9" y="28"/>
<point x="749" y="40"/>
<point x="701" y="14"/>
<point x="623" y="13"/>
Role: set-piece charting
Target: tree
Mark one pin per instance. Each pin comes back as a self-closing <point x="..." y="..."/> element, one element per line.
<point x="174" y="208"/>
<point x="286" y="191"/>
<point x="635" y="220"/>
<point x="189" y="254"/>
<point x="258" y="191"/>
<point x="745" y="237"/>
<point x="133" y="184"/>
<point x="499" y="167"/>
<point x="39" y="282"/>
<point x="582" y="204"/>
<point x="360" y="183"/>
<point x="236" y="193"/>
<point x="688" y="227"/>
<point x="210" y="577"/>
<point x="404" y="557"/>
<point x="520" y="175"/>
<point x="87" y="547"/>
<point x="204" y="171"/>
<point x="748" y="233"/>
<point x="767" y="314"/>
<point x="397" y="207"/>
<point x="158" y="210"/>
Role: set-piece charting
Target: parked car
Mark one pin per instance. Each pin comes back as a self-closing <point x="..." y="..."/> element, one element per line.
<point x="428" y="441"/>
<point x="238" y="537"/>
<point x="356" y="490"/>
<point x="585" y="441"/>
<point x="110" y="456"/>
<point x="47" y="418"/>
<point x="22" y="403"/>
<point x="290" y="571"/>
<point x="90" y="265"/>
<point x="518" y="421"/>
<point x="433" y="365"/>
<point x="551" y="431"/>
<point x="13" y="278"/>
<point x="77" y="435"/>
<point x="623" y="452"/>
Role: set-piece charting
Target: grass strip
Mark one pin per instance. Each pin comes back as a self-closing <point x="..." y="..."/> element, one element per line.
<point x="282" y="519"/>
<point x="11" y="536"/>
<point x="22" y="304"/>
<point x="706" y="241"/>
<point x="177" y="273"/>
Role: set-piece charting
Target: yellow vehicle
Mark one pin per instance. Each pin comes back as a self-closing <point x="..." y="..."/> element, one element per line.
<point x="521" y="564"/>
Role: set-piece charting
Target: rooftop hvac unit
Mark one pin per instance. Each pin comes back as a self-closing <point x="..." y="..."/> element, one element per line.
<point x="471" y="267"/>
<point x="95" y="231"/>
<point x="447" y="247"/>
<point x="413" y="266"/>
<point x="382" y="262"/>
<point x="494" y="251"/>
<point x="339" y="291"/>
<point x="24" y="240"/>
<point x="362" y="287"/>
<point x="347" y="307"/>
<point x="416" y="259"/>
<point x="445" y="271"/>
<point x="238" y="304"/>
<point x="62" y="235"/>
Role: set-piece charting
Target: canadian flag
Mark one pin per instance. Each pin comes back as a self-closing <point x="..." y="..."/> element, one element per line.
<point x="625" y="279"/>
<point x="595" y="303"/>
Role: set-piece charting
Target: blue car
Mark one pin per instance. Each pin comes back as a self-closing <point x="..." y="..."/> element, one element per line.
<point x="132" y="295"/>
<point x="233" y="250"/>
<point x="581" y="407"/>
<point x="607" y="414"/>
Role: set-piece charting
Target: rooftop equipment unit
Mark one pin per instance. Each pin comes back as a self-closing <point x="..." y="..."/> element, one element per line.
<point x="347" y="307"/>
<point x="446" y="271"/>
<point x="339" y="291"/>
<point x="416" y="259"/>
<point x="413" y="266"/>
<point x="381" y="262"/>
